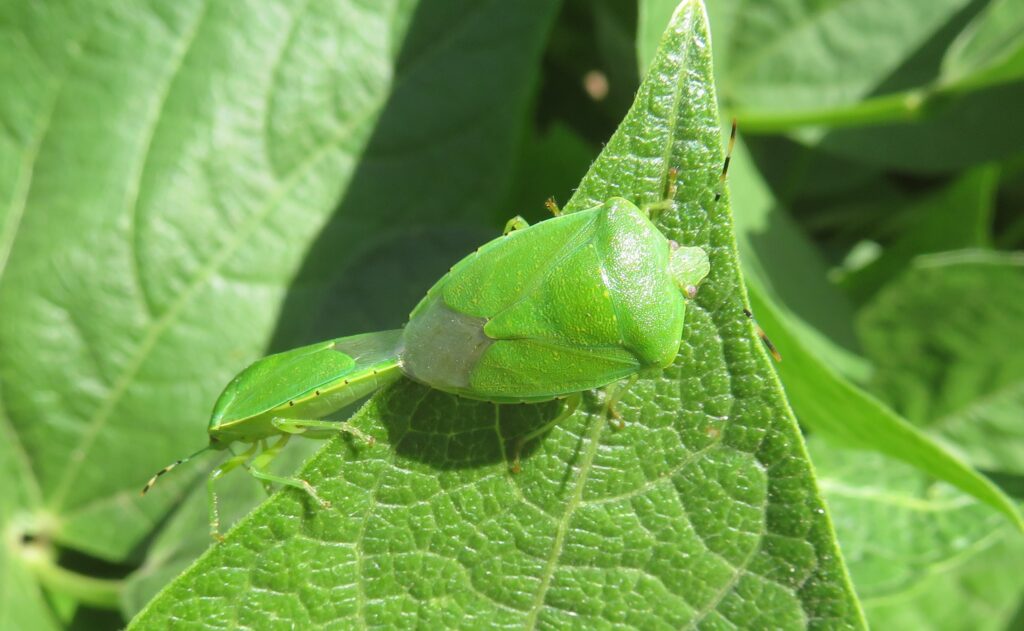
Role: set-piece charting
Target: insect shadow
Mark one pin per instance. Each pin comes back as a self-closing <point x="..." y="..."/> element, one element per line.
<point x="449" y="432"/>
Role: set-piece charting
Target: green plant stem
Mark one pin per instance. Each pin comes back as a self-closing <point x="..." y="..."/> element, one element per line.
<point x="98" y="592"/>
<point x="901" y="106"/>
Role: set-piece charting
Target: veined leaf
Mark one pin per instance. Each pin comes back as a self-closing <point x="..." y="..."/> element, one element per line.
<point x="703" y="511"/>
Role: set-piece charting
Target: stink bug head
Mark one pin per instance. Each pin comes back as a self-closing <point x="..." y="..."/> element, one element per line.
<point x="229" y="424"/>
<point x="688" y="266"/>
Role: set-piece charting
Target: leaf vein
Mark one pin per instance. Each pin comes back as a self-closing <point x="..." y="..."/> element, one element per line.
<point x="98" y="422"/>
<point x="174" y="68"/>
<point x="563" y="524"/>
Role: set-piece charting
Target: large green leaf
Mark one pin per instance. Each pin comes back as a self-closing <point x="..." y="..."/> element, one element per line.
<point x="979" y="591"/>
<point x="990" y="49"/>
<point x="183" y="185"/>
<point x="830" y="404"/>
<point x="919" y="550"/>
<point x="801" y="59"/>
<point x="941" y="335"/>
<point x="896" y="524"/>
<point x="703" y="511"/>
<point x="916" y="84"/>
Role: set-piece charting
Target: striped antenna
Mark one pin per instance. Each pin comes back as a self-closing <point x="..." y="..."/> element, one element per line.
<point x="174" y="464"/>
<point x="728" y="159"/>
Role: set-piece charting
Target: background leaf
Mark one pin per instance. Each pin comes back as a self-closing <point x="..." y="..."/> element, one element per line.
<point x="957" y="217"/>
<point x="980" y="591"/>
<point x="828" y="216"/>
<point x="685" y="517"/>
<point x="801" y="56"/>
<point x="920" y="552"/>
<point x="990" y="49"/>
<point x="846" y="414"/>
<point x="891" y="512"/>
<point x="178" y="170"/>
<point x="956" y="376"/>
<point x="22" y="605"/>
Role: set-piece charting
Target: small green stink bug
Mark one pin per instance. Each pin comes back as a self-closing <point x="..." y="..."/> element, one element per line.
<point x="575" y="302"/>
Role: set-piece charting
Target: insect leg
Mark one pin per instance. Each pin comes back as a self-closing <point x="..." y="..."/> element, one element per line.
<point x="552" y="206"/>
<point x="319" y="428"/>
<point x="259" y="472"/>
<point x="728" y="159"/>
<point x="614" y="395"/>
<point x="268" y="488"/>
<point x="515" y="223"/>
<point x="656" y="208"/>
<point x="569" y="405"/>
<point x="211" y="493"/>
<point x="764" y="337"/>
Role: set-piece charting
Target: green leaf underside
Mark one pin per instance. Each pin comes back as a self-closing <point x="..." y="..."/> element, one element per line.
<point x="956" y="376"/>
<point x="981" y="592"/>
<point x="911" y="541"/>
<point x="827" y="403"/>
<point x="702" y="512"/>
<point x="897" y="524"/>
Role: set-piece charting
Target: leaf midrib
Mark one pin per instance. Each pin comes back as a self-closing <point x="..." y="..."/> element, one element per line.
<point x="575" y="501"/>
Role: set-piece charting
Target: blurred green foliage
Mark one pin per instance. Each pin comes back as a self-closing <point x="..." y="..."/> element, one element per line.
<point x="187" y="186"/>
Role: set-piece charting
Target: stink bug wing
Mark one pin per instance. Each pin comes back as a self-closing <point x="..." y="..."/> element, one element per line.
<point x="503" y="270"/>
<point x="370" y="349"/>
<point x="276" y="379"/>
<point x="569" y="304"/>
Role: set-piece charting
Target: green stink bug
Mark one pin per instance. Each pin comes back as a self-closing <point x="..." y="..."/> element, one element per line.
<point x="570" y="304"/>
<point x="576" y="302"/>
